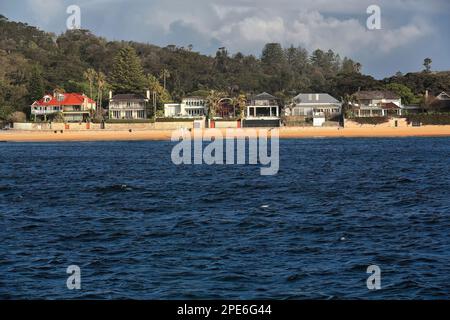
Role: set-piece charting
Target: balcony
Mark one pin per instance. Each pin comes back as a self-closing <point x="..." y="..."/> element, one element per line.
<point x="43" y="112"/>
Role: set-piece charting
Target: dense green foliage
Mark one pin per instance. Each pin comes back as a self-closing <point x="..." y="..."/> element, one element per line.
<point x="177" y="119"/>
<point x="33" y="62"/>
<point x="371" y="120"/>
<point x="430" y="119"/>
<point x="127" y="75"/>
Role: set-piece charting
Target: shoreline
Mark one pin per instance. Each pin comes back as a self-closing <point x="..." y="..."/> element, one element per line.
<point x="165" y="135"/>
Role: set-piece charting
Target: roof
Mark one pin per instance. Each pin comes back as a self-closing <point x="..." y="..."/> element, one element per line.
<point x="194" y="98"/>
<point x="315" y="98"/>
<point x="443" y="96"/>
<point x="68" y="99"/>
<point x="376" y="94"/>
<point x="389" y="106"/>
<point x="263" y="96"/>
<point x="129" y="97"/>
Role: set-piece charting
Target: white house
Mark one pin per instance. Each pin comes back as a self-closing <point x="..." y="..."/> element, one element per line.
<point x="310" y="104"/>
<point x="128" y="106"/>
<point x="75" y="107"/>
<point x="263" y="106"/>
<point x="377" y="103"/>
<point x="190" y="107"/>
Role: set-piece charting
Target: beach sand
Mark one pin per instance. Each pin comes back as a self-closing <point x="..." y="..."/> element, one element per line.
<point x="284" y="133"/>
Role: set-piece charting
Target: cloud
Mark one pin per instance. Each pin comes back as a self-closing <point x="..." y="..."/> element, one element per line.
<point x="313" y="30"/>
<point x="246" y="25"/>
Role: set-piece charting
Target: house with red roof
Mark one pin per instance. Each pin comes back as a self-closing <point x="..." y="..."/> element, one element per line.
<point x="74" y="107"/>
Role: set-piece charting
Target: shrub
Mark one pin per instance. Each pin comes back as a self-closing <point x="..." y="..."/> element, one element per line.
<point x="370" y="120"/>
<point x="430" y="119"/>
<point x="225" y="120"/>
<point x="128" y="121"/>
<point x="58" y="118"/>
<point x="177" y="119"/>
<point x="5" y="112"/>
<point x="17" y="117"/>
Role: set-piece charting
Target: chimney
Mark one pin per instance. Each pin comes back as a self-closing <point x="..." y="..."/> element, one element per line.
<point x="110" y="94"/>
<point x="426" y="94"/>
<point x="317" y="97"/>
<point x="148" y="94"/>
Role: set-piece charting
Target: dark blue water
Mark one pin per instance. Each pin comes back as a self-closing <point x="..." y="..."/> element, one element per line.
<point x="140" y="227"/>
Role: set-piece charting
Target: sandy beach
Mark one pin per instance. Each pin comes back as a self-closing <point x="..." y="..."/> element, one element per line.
<point x="284" y="133"/>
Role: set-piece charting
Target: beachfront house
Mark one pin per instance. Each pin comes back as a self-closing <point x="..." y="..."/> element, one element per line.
<point x="310" y="105"/>
<point x="440" y="102"/>
<point x="190" y="107"/>
<point x="263" y="106"/>
<point x="378" y="103"/>
<point x="74" y="107"/>
<point x="262" y="110"/>
<point x="128" y="106"/>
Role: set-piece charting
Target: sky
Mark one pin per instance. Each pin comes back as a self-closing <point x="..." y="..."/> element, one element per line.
<point x="411" y="30"/>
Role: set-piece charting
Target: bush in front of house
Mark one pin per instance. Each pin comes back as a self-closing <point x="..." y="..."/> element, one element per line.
<point x="58" y="118"/>
<point x="430" y="119"/>
<point x="177" y="119"/>
<point x="17" y="116"/>
<point x="370" y="120"/>
<point x="127" y="121"/>
<point x="227" y="120"/>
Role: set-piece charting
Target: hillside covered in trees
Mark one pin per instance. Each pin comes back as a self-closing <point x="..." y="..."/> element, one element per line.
<point x="33" y="62"/>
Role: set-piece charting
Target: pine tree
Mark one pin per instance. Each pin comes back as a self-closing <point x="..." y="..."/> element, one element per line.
<point x="127" y="75"/>
<point x="427" y="64"/>
<point x="36" y="89"/>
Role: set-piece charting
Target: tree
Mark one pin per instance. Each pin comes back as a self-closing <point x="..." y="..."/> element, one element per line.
<point x="427" y="64"/>
<point x="90" y="75"/>
<point x="273" y="56"/>
<point x="127" y="75"/>
<point x="347" y="103"/>
<point x="164" y="75"/>
<point x="350" y="66"/>
<point x="36" y="87"/>
<point x="5" y="112"/>
<point x="17" y="116"/>
<point x="154" y="86"/>
<point x="101" y="83"/>
<point x="403" y="91"/>
<point x="212" y="102"/>
<point x="239" y="103"/>
<point x="221" y="60"/>
<point x="157" y="92"/>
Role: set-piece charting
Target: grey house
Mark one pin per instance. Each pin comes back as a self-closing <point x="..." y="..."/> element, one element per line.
<point x="128" y="106"/>
<point x="311" y="104"/>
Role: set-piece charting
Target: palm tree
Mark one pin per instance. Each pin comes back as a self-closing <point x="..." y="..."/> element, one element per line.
<point x="239" y="102"/>
<point x="101" y="82"/>
<point x="90" y="75"/>
<point x="347" y="102"/>
<point x="212" y="101"/>
<point x="164" y="75"/>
